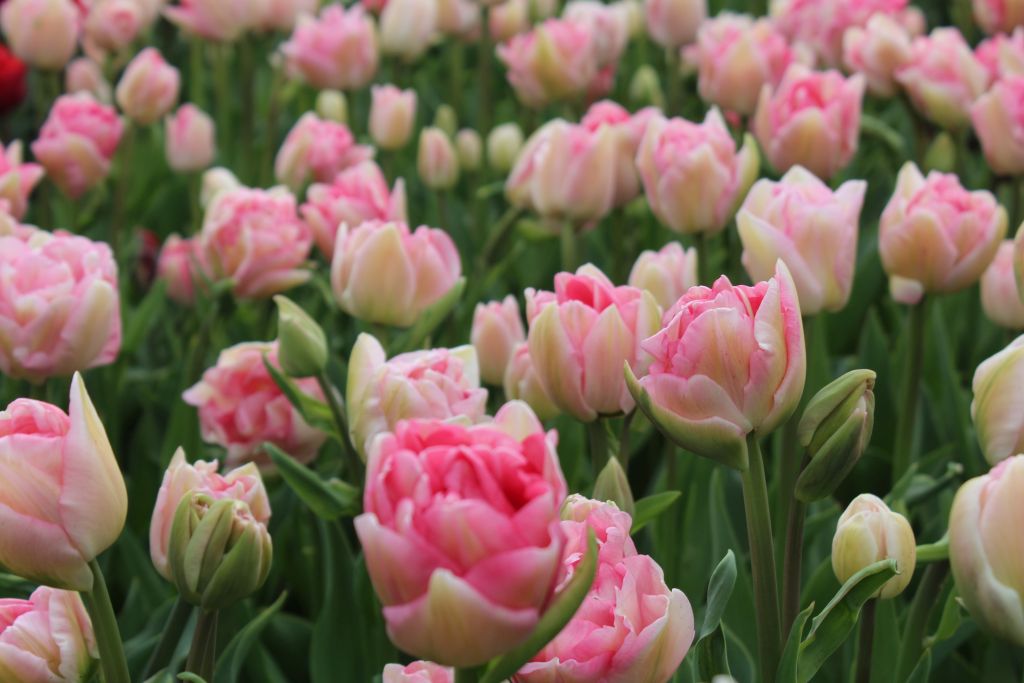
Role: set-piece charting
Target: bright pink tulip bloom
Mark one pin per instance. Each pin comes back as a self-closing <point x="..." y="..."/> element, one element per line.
<point x="46" y="639"/>
<point x="667" y="273"/>
<point x="631" y="626"/>
<point x="998" y="118"/>
<point x="555" y="61"/>
<point x="241" y="407"/>
<point x="1000" y="297"/>
<point x="877" y="51"/>
<point x="935" y="236"/>
<point x="418" y="672"/>
<point x="77" y="142"/>
<point x="190" y="144"/>
<point x="219" y="20"/>
<point x="111" y="26"/>
<point x="812" y="120"/>
<point x="180" y="265"/>
<point x="994" y="16"/>
<point x="1002" y="55"/>
<point x="729" y="361"/>
<point x="628" y="130"/>
<point x="384" y="273"/>
<point x="337" y="49"/>
<point x="42" y="33"/>
<point x="182" y="478"/>
<point x="63" y="501"/>
<point x="461" y="533"/>
<point x="148" y="88"/>
<point x="59" y="305"/>
<point x="674" y="23"/>
<point x="581" y="335"/>
<point x="317" y="150"/>
<point x="392" y="116"/>
<point x="255" y="239"/>
<point x="820" y="24"/>
<point x="497" y="331"/>
<point x="17" y="179"/>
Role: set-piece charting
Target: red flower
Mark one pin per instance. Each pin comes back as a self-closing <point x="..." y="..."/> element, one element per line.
<point x="12" y="80"/>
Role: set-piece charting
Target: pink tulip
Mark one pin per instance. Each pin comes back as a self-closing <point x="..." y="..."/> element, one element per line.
<point x="1002" y="55"/>
<point x="337" y="49"/>
<point x="461" y="533"/>
<point x="77" y="142"/>
<point x="459" y="18"/>
<point x="47" y="638"/>
<point x="439" y="384"/>
<point x="729" y="361"/>
<point x="667" y="273"/>
<point x="436" y="161"/>
<point x="85" y="75"/>
<point x="820" y="24"/>
<point x="282" y="15"/>
<point x="809" y="227"/>
<point x="407" y="28"/>
<point x="112" y="26"/>
<point x="190" y="145"/>
<point x="521" y="383"/>
<point x="812" y="119"/>
<point x="497" y="331"/>
<point x="356" y="195"/>
<point x="182" y="478"/>
<point x="509" y="18"/>
<point x="674" y="23"/>
<point x="998" y="118"/>
<point x="555" y="61"/>
<point x="64" y="501"/>
<point x="935" y="236"/>
<point x="384" y="273"/>
<point x="877" y="51"/>
<point x="566" y="172"/>
<point x="628" y="131"/>
<point x="943" y="77"/>
<point x="631" y="626"/>
<point x="317" y="150"/>
<point x="998" y="15"/>
<point x="219" y="20"/>
<point x="241" y="407"/>
<point x="148" y="88"/>
<point x="255" y="239"/>
<point x="418" y="672"/>
<point x="1000" y="298"/>
<point x="996" y="408"/>
<point x="693" y="175"/>
<point x="581" y="335"/>
<point x="736" y="56"/>
<point x="42" y="33"/>
<point x="59" y="305"/>
<point x="608" y="24"/>
<point x="392" y="115"/>
<point x="180" y="265"/>
<point x="17" y="179"/>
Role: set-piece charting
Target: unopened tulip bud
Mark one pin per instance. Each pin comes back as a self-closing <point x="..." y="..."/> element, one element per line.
<point x="446" y="119"/>
<point x="219" y="552"/>
<point x="331" y="105"/>
<point x="215" y="181"/>
<point x="1000" y="296"/>
<point x="613" y="485"/>
<point x="869" y="532"/>
<point x="407" y="27"/>
<point x="835" y="430"/>
<point x="497" y="331"/>
<point x="392" y="114"/>
<point x="470" y="148"/>
<point x="148" y="88"/>
<point x="437" y="164"/>
<point x="645" y="88"/>
<point x="190" y="139"/>
<point x="941" y="154"/>
<point x="302" y="349"/>
<point x="42" y="33"/>
<point x="503" y="146"/>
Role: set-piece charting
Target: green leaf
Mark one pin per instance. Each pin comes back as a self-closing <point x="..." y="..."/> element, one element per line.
<point x="139" y="319"/>
<point x="558" y="614"/>
<point x="231" y="661"/>
<point x="712" y="652"/>
<point x="921" y="672"/>
<point x="330" y="628"/>
<point x="432" y="317"/>
<point x="833" y="625"/>
<point x="789" y="665"/>
<point x="952" y="617"/>
<point x="190" y="677"/>
<point x="329" y="500"/>
<point x="649" y="508"/>
<point x="313" y="411"/>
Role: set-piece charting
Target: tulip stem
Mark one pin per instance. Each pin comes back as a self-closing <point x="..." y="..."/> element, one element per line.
<point x="917" y="620"/>
<point x="202" y="657"/>
<point x="762" y="560"/>
<point x="353" y="463"/>
<point x="568" y="246"/>
<point x="865" y="642"/>
<point x="467" y="675"/>
<point x="902" y="455"/>
<point x="701" y="242"/>
<point x="181" y="612"/>
<point x="627" y="422"/>
<point x="113" y="664"/>
<point x="597" y="433"/>
<point x="484" y="70"/>
<point x="793" y="560"/>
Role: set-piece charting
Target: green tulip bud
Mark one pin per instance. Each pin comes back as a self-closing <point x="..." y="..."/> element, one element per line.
<point x="613" y="485"/>
<point x="645" y="88"/>
<point x="835" y="430"/>
<point x="218" y="552"/>
<point x="302" y="343"/>
<point x="332" y="106"/>
<point x="447" y="120"/>
<point x="941" y="154"/>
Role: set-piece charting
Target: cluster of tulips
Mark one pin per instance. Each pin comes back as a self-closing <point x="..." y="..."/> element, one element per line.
<point x="550" y="435"/>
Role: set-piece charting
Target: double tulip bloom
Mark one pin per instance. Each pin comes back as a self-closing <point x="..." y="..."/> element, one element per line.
<point x="318" y="150"/>
<point x="461" y="533"/>
<point x="628" y="130"/>
<point x="555" y="61"/>
<point x="180" y="266"/>
<point x="148" y="88"/>
<point x="336" y="49"/>
<point x="1002" y="55"/>
<point x="667" y="273"/>
<point x="46" y="638"/>
<point x="42" y="33"/>
<point x="998" y="15"/>
<point x="418" y="672"/>
<point x="17" y="178"/>
<point x="877" y="51"/>
<point x="674" y="23"/>
<point x="998" y="118"/>
<point x="217" y="20"/>
<point x="1000" y="295"/>
<point x="110" y="26"/>
<point x="935" y="236"/>
<point x="408" y="27"/>
<point x="996" y="409"/>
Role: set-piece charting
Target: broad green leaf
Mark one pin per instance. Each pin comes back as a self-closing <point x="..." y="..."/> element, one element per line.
<point x="789" y="664"/>
<point x="329" y="500"/>
<point x="712" y="651"/>
<point x="230" y="662"/>
<point x="312" y="410"/>
<point x="649" y="508"/>
<point x="952" y="617"/>
<point x="712" y="655"/>
<point x="334" y="620"/>
<point x="139" y="320"/>
<point x="190" y="677"/>
<point x="921" y="672"/>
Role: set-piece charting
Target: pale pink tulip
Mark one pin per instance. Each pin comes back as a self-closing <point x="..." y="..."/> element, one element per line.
<point x="877" y="51"/>
<point x="461" y="533"/>
<point x="996" y="409"/>
<point x="64" y="500"/>
<point x="180" y="265"/>
<point x="317" y="150"/>
<point x="77" y="142"/>
<point x="667" y="273"/>
<point x="111" y="26"/>
<point x="392" y="115"/>
<point x="1000" y="298"/>
<point x="241" y="407"/>
<point x="408" y="27"/>
<point x="522" y="383"/>
<point x="189" y="139"/>
<point x="436" y="161"/>
<point x="47" y="638"/>
<point x="869" y="532"/>
<point x="935" y="236"/>
<point x="628" y="130"/>
<point x="17" y="179"/>
<point x="581" y="335"/>
<point x="998" y="118"/>
<point x="693" y="175"/>
<point x="219" y="20"/>
<point x="42" y="33"/>
<point x="282" y="15"/>
<point x="812" y="119"/>
<point x="608" y="24"/>
<point x="820" y="24"/>
<point x="439" y="384"/>
<point x="1002" y="55"/>
<point x="459" y="18"/>
<point x="497" y="331"/>
<point x="555" y="61"/>
<point x="149" y="87"/>
<point x="59" y="305"/>
<point x="418" y="672"/>
<point x="337" y="49"/>
<point x="384" y="273"/>
<point x="674" y="23"/>
<point x="85" y="75"/>
<point x="509" y="18"/>
<point x="998" y="15"/>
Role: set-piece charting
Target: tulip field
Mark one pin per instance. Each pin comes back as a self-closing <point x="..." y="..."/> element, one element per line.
<point x="511" y="341"/>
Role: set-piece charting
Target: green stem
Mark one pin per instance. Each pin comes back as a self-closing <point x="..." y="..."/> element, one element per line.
<point x="197" y="74"/>
<point x="701" y="242"/>
<point x="202" y="657"/>
<point x="175" y="626"/>
<point x="498" y="234"/>
<point x="225" y="95"/>
<point x="485" y="72"/>
<point x="467" y="675"/>
<point x="266" y="170"/>
<point x="597" y="436"/>
<point x="353" y="462"/>
<point x="793" y="561"/>
<point x="865" y="642"/>
<point x="248" y="76"/>
<point x="933" y="552"/>
<point x="624" y="439"/>
<point x="567" y="243"/>
<point x="917" y="620"/>
<point x="762" y="559"/>
<point x="124" y="177"/>
<point x="104" y="624"/>
<point x="672" y="82"/>
<point x="903" y="445"/>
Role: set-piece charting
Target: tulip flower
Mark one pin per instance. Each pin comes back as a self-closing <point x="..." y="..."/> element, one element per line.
<point x="112" y="26"/>
<point x="868" y="532"/>
<point x="317" y="150"/>
<point x="190" y="144"/>
<point x="674" y="23"/>
<point x="935" y="236"/>
<point x="509" y="18"/>
<point x="42" y="33"/>
<point x="994" y="16"/>
<point x="302" y="343"/>
<point x="1000" y="297"/>
<point x="812" y="229"/>
<point x="461" y="533"/>
<point x="469" y="148"/>
<point x="729" y="361"/>
<point x="628" y="130"/>
<point x="609" y="24"/>
<point x="332" y="105"/>
<point x="877" y="51"/>
<point x="282" y="15"/>
<point x="48" y="637"/>
<point x="995" y="411"/>
<point x="521" y="383"/>
<point x="180" y="265"/>
<point x="667" y="273"/>
<point x="218" y="20"/>
<point x="64" y="501"/>
<point x="17" y="179"/>
<point x="983" y="549"/>
<point x="392" y="115"/>
<point x="553" y="62"/>
<point x="1002" y="55"/>
<point x="407" y="28"/>
<point x="497" y="331"/>
<point x="436" y="161"/>
<point x="337" y="49"/>
<point x="998" y="118"/>
<point x="85" y="75"/>
<point x="504" y="143"/>
<point x="148" y="88"/>
<point x="418" y="672"/>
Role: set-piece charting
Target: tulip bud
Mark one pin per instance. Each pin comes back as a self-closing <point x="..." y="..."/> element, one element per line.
<point x="392" y="114"/>
<point x="407" y="28"/>
<point x="645" y="88"/>
<point x="869" y="532"/>
<point x="332" y="105"/>
<point x="470" y="149"/>
<point x="446" y="119"/>
<point x="302" y="349"/>
<point x="835" y="430"/>
<point x="218" y="553"/>
<point x="148" y="88"/>
<point x="436" y="161"/>
<point x="43" y="34"/>
<point x="190" y="139"/>
<point x="613" y="485"/>
<point x="503" y="146"/>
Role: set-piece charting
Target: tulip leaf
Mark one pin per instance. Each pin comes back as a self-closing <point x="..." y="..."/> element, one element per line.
<point x="328" y="500"/>
<point x="231" y="661"/>
<point x="921" y="671"/>
<point x="831" y="628"/>
<point x="712" y="652"/>
<point x="431" y="318"/>
<point x="139" y="320"/>
<point x="313" y="411"/>
<point x="650" y="508"/>
<point x="559" y="613"/>
<point x="789" y="665"/>
<point x="191" y="677"/>
<point x="952" y="617"/>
